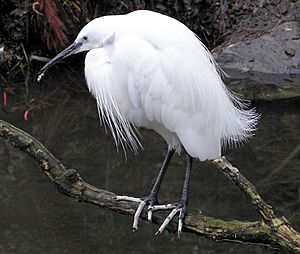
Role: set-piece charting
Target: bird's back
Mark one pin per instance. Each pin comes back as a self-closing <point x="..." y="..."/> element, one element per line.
<point x="162" y="77"/>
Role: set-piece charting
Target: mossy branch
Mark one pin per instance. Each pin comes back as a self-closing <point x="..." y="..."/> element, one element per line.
<point x="271" y="230"/>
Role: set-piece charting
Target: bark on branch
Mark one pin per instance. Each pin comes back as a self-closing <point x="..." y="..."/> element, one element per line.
<point x="271" y="230"/>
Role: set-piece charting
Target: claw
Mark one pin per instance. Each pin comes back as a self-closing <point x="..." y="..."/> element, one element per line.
<point x="142" y="203"/>
<point x="167" y="220"/>
<point x="137" y="215"/>
<point x="126" y="198"/>
<point x="177" y="208"/>
<point x="163" y="207"/>
<point x="150" y="212"/>
<point x="154" y="208"/>
<point x="179" y="231"/>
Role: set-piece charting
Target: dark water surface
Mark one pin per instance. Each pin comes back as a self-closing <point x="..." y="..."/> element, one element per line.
<point x="35" y="218"/>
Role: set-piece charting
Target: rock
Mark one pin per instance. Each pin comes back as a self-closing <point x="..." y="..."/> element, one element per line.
<point x="266" y="67"/>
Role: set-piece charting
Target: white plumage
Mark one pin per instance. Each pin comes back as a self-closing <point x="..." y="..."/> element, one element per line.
<point x="154" y="72"/>
<point x="148" y="70"/>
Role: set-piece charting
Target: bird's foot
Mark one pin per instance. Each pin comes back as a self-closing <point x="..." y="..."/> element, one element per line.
<point x="149" y="200"/>
<point x="180" y="208"/>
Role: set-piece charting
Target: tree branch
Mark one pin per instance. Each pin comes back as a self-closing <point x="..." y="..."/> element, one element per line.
<point x="281" y="230"/>
<point x="271" y="230"/>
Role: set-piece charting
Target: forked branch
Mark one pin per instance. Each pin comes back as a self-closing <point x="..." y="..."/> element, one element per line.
<point x="271" y="230"/>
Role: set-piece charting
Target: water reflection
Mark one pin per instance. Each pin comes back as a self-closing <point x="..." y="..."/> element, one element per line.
<point x="36" y="219"/>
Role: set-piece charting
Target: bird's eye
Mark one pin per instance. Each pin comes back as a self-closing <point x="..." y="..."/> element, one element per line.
<point x="85" y="38"/>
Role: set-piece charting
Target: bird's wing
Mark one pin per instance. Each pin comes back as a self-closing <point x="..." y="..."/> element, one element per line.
<point x="180" y="88"/>
<point x="102" y="84"/>
<point x="161" y="81"/>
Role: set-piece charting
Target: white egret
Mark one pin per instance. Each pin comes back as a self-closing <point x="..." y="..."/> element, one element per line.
<point x="149" y="70"/>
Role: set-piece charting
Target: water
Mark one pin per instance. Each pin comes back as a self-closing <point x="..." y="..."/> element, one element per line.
<point x="35" y="218"/>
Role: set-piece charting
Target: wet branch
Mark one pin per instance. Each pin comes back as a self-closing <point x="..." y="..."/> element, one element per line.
<point x="271" y="230"/>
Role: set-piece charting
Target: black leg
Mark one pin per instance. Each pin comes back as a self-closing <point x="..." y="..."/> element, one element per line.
<point x="182" y="204"/>
<point x="185" y="192"/>
<point x="151" y="199"/>
<point x="186" y="183"/>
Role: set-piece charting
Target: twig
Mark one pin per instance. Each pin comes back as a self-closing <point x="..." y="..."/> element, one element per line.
<point x="282" y="231"/>
<point x="271" y="231"/>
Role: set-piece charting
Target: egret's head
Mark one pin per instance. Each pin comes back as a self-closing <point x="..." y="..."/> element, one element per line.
<point x="95" y="34"/>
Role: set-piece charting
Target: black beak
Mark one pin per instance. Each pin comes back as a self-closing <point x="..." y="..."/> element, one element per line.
<point x="65" y="53"/>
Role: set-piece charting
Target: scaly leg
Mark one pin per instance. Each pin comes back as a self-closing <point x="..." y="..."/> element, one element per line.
<point x="151" y="199"/>
<point x="180" y="207"/>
